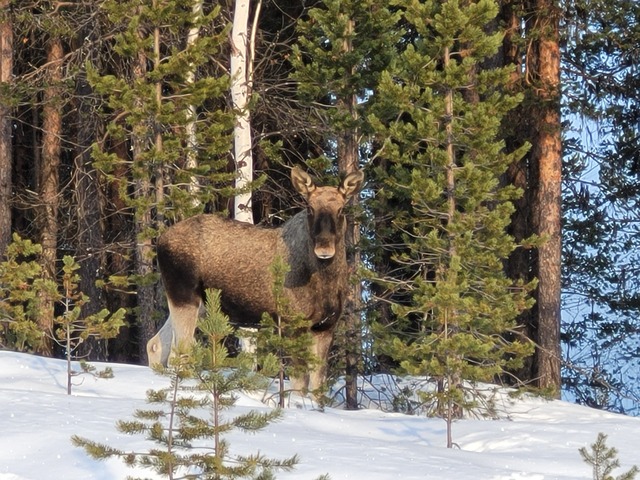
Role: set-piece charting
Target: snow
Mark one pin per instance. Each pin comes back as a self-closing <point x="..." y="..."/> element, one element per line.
<point x="532" y="438"/>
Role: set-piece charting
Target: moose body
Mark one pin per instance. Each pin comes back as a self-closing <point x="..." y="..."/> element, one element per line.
<point x="207" y="251"/>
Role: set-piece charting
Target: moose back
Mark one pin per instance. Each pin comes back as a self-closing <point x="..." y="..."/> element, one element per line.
<point x="208" y="251"/>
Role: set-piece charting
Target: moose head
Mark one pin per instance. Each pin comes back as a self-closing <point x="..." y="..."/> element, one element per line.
<point x="324" y="209"/>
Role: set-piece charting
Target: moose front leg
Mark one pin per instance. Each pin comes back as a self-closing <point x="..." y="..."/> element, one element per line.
<point x="317" y="375"/>
<point x="321" y="345"/>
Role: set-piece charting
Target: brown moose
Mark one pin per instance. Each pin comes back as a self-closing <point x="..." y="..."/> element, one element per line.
<point x="207" y="251"/>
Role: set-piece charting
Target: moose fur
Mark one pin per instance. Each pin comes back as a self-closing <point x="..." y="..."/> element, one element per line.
<point x="207" y="251"/>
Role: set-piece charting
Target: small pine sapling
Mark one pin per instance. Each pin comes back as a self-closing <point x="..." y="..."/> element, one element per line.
<point x="604" y="461"/>
<point x="220" y="377"/>
<point x="22" y="290"/>
<point x="74" y="328"/>
<point x="287" y="344"/>
<point x="160" y="424"/>
<point x="188" y="424"/>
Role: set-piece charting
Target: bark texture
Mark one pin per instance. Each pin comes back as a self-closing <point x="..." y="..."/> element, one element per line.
<point x="536" y="62"/>
<point x="546" y="157"/>
<point x="348" y="156"/>
<point x="50" y="180"/>
<point x="6" y="74"/>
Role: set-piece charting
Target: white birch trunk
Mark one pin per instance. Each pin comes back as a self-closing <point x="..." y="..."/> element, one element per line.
<point x="240" y="86"/>
<point x="191" y="160"/>
<point x="241" y="76"/>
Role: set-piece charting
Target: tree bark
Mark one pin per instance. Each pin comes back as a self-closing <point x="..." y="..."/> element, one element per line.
<point x="516" y="127"/>
<point x="348" y="163"/>
<point x="546" y="159"/>
<point x="49" y="181"/>
<point x="240" y="86"/>
<point x="348" y="156"/>
<point x="6" y="74"/>
<point x="538" y="175"/>
<point x="144" y="253"/>
<point x="89" y="249"/>
<point x="119" y="237"/>
<point x="191" y="161"/>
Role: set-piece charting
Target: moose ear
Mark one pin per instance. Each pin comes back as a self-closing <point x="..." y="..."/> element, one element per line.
<point x="352" y="183"/>
<point x="302" y="182"/>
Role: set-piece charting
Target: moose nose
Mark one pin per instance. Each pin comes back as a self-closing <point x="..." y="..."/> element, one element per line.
<point x="324" y="253"/>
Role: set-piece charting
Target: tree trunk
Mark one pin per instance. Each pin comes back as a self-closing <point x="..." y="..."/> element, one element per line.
<point x="158" y="174"/>
<point x="191" y="161"/>
<point x="144" y="254"/>
<point x="452" y="377"/>
<point x="546" y="161"/>
<point x="240" y="86"/>
<point x="49" y="180"/>
<point x="119" y="237"/>
<point x="89" y="250"/>
<point x="348" y="156"/>
<point x="538" y="174"/>
<point x="516" y="126"/>
<point x="6" y="74"/>
<point x="348" y="163"/>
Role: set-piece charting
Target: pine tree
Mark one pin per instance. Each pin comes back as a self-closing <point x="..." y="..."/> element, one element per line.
<point x="342" y="50"/>
<point x="284" y="343"/>
<point x="54" y="130"/>
<point x="604" y="461"/>
<point x="73" y="328"/>
<point x="202" y="380"/>
<point x="40" y="91"/>
<point x="22" y="288"/>
<point x="439" y="115"/>
<point x="151" y="102"/>
<point x="532" y="47"/>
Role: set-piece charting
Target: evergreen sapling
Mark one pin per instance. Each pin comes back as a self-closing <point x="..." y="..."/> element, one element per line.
<point x="22" y="290"/>
<point x="604" y="461"/>
<point x="189" y="422"/>
<point x="73" y="328"/>
<point x="284" y="345"/>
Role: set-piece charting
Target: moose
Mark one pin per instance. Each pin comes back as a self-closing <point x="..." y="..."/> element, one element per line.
<point x="208" y="251"/>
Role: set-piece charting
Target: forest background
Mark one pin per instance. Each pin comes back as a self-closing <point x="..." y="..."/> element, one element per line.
<point x="499" y="141"/>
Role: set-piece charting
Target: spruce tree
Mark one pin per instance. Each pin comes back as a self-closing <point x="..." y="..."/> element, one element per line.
<point x="190" y="444"/>
<point x="438" y="116"/>
<point x="604" y="461"/>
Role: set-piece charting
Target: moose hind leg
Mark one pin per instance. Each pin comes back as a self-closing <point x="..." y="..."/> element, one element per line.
<point x="159" y="347"/>
<point x="176" y="333"/>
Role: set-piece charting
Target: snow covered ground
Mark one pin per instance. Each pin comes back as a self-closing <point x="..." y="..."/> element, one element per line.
<point x="534" y="439"/>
